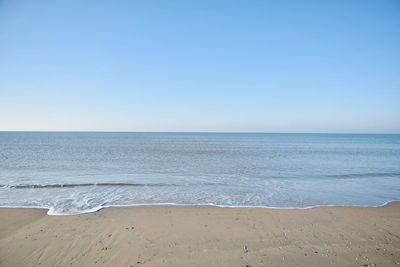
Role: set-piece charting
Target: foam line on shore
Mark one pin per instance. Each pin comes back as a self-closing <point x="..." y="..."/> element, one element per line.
<point x="51" y="211"/>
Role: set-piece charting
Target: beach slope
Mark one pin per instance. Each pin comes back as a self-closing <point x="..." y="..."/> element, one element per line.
<point x="202" y="236"/>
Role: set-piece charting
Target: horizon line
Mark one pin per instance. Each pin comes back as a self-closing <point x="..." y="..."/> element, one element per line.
<point x="193" y="132"/>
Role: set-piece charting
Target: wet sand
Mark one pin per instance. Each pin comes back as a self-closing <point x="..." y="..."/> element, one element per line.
<point x="202" y="236"/>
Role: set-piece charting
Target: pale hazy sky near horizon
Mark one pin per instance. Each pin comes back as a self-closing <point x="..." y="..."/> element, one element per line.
<point x="264" y="66"/>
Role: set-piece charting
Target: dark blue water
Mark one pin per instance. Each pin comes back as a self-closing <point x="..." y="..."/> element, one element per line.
<point x="79" y="172"/>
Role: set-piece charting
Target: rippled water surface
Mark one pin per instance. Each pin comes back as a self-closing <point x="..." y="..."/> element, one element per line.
<point x="79" y="172"/>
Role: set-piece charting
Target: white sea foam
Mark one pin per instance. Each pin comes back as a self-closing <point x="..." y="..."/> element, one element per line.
<point x="51" y="210"/>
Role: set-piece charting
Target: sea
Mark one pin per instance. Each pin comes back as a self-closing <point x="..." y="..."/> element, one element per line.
<point x="79" y="172"/>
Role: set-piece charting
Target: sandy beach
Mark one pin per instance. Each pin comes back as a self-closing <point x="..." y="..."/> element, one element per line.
<point x="202" y="236"/>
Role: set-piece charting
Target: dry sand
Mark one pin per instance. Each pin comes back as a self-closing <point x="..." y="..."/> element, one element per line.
<point x="202" y="236"/>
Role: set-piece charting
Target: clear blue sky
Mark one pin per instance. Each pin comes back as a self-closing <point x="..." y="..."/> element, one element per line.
<point x="269" y="66"/>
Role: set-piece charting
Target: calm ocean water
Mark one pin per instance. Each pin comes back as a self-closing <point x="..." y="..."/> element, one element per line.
<point x="71" y="173"/>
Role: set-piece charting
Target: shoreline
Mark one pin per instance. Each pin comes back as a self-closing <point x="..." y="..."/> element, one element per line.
<point x="203" y="236"/>
<point x="97" y="209"/>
